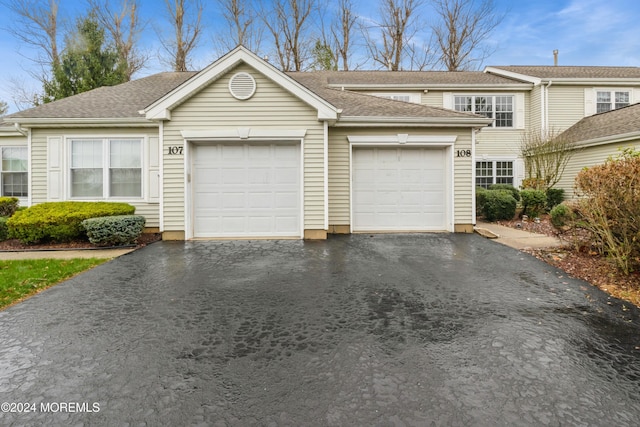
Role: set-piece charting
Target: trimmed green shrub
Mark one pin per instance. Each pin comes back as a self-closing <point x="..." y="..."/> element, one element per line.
<point x="114" y="230"/>
<point x="481" y="197"/>
<point x="514" y="191"/>
<point x="555" y="196"/>
<point x="561" y="215"/>
<point x="60" y="221"/>
<point x="4" y="231"/>
<point x="8" y="206"/>
<point x="499" y="204"/>
<point x="533" y="202"/>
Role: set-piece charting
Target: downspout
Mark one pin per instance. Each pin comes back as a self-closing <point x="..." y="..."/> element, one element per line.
<point x="20" y="129"/>
<point x="326" y="175"/>
<point x="546" y="109"/>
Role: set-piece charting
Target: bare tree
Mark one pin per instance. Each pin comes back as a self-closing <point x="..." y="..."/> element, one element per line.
<point x="187" y="26"/>
<point x="342" y="32"/>
<point x="390" y="45"/>
<point x="124" y="28"/>
<point x="36" y="24"/>
<point x="463" y="28"/>
<point x="288" y="22"/>
<point x="244" y="28"/>
<point x="546" y="155"/>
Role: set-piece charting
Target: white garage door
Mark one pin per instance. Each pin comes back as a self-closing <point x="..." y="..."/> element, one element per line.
<point x="246" y="190"/>
<point x="399" y="189"/>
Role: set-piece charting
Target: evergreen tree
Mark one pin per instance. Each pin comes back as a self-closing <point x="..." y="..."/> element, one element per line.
<point x="87" y="63"/>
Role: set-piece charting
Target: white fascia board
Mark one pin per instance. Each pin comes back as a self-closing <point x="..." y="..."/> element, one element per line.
<point x="160" y="110"/>
<point x="594" y="82"/>
<point x="431" y="86"/>
<point x="243" y="133"/>
<point x="612" y="139"/>
<point x="370" y="121"/>
<point x="511" y="75"/>
<point x="402" y="139"/>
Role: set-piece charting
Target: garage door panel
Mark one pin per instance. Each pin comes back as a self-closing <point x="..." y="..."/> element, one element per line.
<point x="399" y="189"/>
<point x="246" y="190"/>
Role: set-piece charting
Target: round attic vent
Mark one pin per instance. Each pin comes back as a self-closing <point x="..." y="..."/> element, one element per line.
<point x="242" y="86"/>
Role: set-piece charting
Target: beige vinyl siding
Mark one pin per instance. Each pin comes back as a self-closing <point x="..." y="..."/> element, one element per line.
<point x="566" y="106"/>
<point x="433" y="98"/>
<point x="534" y="122"/>
<point x="498" y="142"/>
<point x="271" y="107"/>
<point x="339" y="179"/>
<point x="588" y="157"/>
<point x="39" y="166"/>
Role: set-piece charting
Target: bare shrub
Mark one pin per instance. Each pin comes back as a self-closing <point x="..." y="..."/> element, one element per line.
<point x="611" y="208"/>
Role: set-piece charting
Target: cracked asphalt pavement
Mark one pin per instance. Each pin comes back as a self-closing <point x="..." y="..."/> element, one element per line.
<point x="363" y="330"/>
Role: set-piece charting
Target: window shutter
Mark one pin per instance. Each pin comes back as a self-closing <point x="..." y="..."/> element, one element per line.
<point x="447" y="100"/>
<point x="634" y="96"/>
<point x="54" y="169"/>
<point x="520" y="116"/>
<point x="589" y="102"/>
<point x="154" y="170"/>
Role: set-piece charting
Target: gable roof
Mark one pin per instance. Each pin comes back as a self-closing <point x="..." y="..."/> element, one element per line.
<point x="161" y="109"/>
<point x="612" y="126"/>
<point x="118" y="102"/>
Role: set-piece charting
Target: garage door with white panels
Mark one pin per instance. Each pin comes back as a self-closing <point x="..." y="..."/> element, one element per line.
<point x="399" y="189"/>
<point x="246" y="190"/>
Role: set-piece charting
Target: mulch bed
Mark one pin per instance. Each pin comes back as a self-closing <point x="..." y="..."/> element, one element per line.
<point x="16" y="245"/>
<point x="581" y="261"/>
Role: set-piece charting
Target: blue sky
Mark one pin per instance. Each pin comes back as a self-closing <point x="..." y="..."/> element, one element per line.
<point x="585" y="32"/>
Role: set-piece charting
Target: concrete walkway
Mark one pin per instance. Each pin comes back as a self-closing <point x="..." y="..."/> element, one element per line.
<point x="518" y="239"/>
<point x="64" y="254"/>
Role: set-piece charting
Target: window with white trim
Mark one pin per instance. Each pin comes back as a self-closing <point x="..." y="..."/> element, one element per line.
<point x="608" y="100"/>
<point x="106" y="168"/>
<point x="490" y="172"/>
<point x="14" y="172"/>
<point x="497" y="107"/>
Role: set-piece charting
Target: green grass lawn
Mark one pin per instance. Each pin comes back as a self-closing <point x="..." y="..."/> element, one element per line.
<point x="20" y="279"/>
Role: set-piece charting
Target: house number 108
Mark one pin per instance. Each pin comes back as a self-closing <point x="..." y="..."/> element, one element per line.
<point x="174" y="150"/>
<point x="463" y="153"/>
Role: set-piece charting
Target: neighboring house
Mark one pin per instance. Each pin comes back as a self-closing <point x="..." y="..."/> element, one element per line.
<point x="14" y="165"/>
<point x="241" y="149"/>
<point x="598" y="138"/>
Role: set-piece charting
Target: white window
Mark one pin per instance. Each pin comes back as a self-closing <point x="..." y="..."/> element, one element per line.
<point x="500" y="107"/>
<point x="106" y="168"/>
<point x="490" y="172"/>
<point x="14" y="175"/>
<point x="400" y="96"/>
<point x="608" y="100"/>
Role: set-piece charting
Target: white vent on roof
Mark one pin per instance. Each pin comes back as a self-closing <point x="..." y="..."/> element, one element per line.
<point x="242" y="86"/>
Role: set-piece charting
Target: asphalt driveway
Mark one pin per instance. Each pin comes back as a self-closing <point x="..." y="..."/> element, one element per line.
<point x="388" y="330"/>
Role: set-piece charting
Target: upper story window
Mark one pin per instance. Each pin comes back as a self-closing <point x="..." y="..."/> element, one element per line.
<point x="400" y="96"/>
<point x="14" y="175"/>
<point x="497" y="107"/>
<point x="106" y="168"/>
<point x="611" y="100"/>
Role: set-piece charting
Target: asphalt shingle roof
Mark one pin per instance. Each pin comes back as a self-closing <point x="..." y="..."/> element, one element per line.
<point x="577" y="72"/>
<point x="617" y="122"/>
<point x="355" y="104"/>
<point x="120" y="101"/>
<point x="404" y="78"/>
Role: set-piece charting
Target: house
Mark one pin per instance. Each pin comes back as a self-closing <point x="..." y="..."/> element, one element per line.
<point x="598" y="138"/>
<point x="241" y="149"/>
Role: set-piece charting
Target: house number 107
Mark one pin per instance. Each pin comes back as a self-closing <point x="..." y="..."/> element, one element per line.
<point x="463" y="153"/>
<point x="174" y="150"/>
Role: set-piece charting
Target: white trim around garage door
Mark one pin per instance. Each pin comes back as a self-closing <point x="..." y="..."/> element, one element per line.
<point x="445" y="142"/>
<point x="244" y="136"/>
